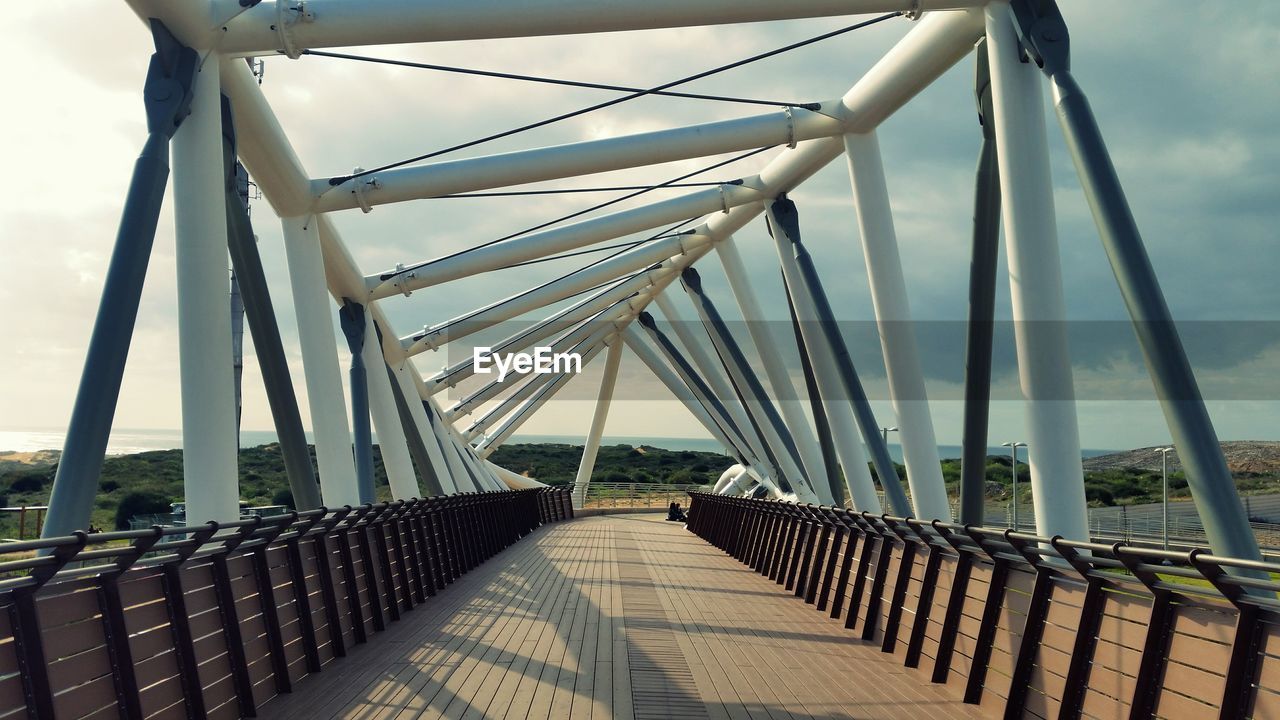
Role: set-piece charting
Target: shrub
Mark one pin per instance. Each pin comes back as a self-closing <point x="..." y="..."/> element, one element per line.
<point x="110" y="486"/>
<point x="139" y="503"/>
<point x="283" y="497"/>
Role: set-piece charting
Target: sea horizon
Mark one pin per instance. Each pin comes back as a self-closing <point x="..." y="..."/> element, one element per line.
<point x="127" y="441"/>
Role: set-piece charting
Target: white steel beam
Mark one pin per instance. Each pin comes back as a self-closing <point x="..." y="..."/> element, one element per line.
<point x="209" y="467"/>
<point x="767" y="349"/>
<point x="339" y="23"/>
<point x="386" y="418"/>
<point x="325" y="398"/>
<point x="1035" y="277"/>
<point x="712" y="373"/>
<point x="569" y="237"/>
<point x="612" y="361"/>
<point x="577" y="159"/>
<point x="635" y="340"/>
<point x="543" y="329"/>
<point x="897" y="333"/>
<point x="584" y="279"/>
<point x="403" y="372"/>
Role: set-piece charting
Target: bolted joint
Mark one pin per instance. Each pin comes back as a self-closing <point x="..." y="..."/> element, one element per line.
<point x="360" y="185"/>
<point x="289" y="14"/>
<point x="167" y="91"/>
<point x="1042" y="32"/>
<point x="783" y="212"/>
<point x="351" y="317"/>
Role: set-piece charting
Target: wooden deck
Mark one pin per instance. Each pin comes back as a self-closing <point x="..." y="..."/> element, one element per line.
<point x="616" y="616"/>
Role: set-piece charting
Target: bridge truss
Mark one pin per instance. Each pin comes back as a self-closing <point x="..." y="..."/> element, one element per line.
<point x="206" y="107"/>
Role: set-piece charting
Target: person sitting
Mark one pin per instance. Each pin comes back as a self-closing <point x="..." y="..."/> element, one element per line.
<point x="675" y="514"/>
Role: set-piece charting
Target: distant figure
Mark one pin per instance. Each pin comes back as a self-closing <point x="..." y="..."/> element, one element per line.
<point x="675" y="514"/>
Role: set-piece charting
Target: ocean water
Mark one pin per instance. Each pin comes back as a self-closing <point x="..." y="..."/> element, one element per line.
<point x="126" y="441"/>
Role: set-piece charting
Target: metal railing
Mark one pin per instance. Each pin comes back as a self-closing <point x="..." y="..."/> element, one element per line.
<point x="609" y="496"/>
<point x="1189" y="624"/>
<point x="216" y="619"/>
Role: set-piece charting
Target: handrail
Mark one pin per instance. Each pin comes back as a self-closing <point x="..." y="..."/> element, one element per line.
<point x="394" y="555"/>
<point x="1087" y="592"/>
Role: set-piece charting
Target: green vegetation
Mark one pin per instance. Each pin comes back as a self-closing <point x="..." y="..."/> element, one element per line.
<point x="145" y="483"/>
<point x="557" y="463"/>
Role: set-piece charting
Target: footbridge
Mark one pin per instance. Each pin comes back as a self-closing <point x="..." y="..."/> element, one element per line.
<point x="466" y="589"/>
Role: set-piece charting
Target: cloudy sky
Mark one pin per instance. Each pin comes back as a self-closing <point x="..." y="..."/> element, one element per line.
<point x="1186" y="93"/>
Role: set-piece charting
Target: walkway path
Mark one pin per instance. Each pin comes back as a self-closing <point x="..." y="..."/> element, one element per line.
<point x="621" y="616"/>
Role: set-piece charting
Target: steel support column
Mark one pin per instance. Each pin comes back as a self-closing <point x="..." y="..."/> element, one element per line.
<point x="1035" y="276"/>
<point x="167" y="98"/>
<point x="897" y="333"/>
<point x="209" y="446"/>
<point x="982" y="304"/>
<point x="613" y="359"/>
<point x="1190" y="426"/>
<point x="353" y="320"/>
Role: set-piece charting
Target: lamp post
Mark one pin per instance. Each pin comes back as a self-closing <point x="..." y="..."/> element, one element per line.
<point x="1164" y="477"/>
<point x="1013" y="448"/>
<point x="885" y="431"/>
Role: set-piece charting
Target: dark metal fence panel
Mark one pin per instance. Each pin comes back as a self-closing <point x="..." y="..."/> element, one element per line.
<point x="1027" y="626"/>
<point x="212" y="622"/>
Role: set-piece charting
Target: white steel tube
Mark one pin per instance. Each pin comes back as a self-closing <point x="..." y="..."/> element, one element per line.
<point x="835" y="402"/>
<point x="578" y="159"/>
<point x="404" y="372"/>
<point x="456" y="373"/>
<point x="513" y="480"/>
<point x="386" y="418"/>
<point x="325" y="400"/>
<point x="588" y="350"/>
<point x="340" y="23"/>
<point x="897" y="333"/>
<point x="612" y="361"/>
<point x="569" y="237"/>
<point x="712" y="373"/>
<point x="528" y="408"/>
<point x="667" y="377"/>
<point x="767" y="349"/>
<point x="585" y="279"/>
<point x="209" y="467"/>
<point x="1035" y="277"/>
<point x="564" y="343"/>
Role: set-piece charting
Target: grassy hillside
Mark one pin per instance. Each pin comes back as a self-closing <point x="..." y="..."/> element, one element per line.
<point x="147" y="482"/>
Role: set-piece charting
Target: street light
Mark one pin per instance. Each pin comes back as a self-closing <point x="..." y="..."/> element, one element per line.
<point x="1164" y="475"/>
<point x="885" y="431"/>
<point x="1013" y="447"/>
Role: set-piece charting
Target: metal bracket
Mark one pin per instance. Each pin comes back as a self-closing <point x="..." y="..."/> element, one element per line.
<point x="1042" y="32"/>
<point x="401" y="276"/>
<point x="791" y="126"/>
<point x="724" y="199"/>
<point x="915" y="12"/>
<point x="358" y="188"/>
<point x="289" y="14"/>
<point x="167" y="92"/>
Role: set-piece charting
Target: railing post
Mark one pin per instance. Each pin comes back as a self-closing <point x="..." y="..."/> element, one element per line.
<point x="298" y="579"/>
<point x="349" y="581"/>
<point x="1032" y="631"/>
<point x="117" y="633"/>
<point x="955" y="604"/>
<point x="901" y="581"/>
<point x="180" y="623"/>
<point x="324" y="570"/>
<point x="856" y="535"/>
<point x="226" y="608"/>
<point x="870" y="540"/>
<point x="924" y="608"/>
<point x="876" y="596"/>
